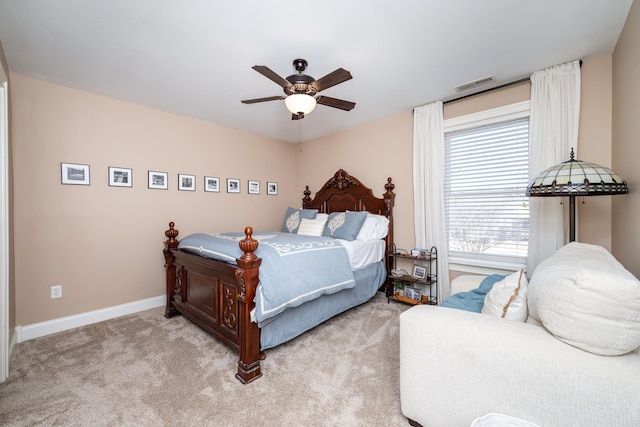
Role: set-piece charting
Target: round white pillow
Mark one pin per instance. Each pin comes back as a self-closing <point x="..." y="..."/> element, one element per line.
<point x="586" y="298"/>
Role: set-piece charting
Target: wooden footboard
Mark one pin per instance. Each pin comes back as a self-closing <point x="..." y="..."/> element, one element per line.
<point x="218" y="297"/>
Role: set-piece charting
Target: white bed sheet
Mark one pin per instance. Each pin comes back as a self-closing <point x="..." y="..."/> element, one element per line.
<point x="363" y="252"/>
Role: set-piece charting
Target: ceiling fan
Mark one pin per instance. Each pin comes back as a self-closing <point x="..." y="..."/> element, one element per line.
<point x="301" y="89"/>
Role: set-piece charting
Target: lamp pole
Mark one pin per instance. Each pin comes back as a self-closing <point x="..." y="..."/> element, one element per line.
<point x="572" y="218"/>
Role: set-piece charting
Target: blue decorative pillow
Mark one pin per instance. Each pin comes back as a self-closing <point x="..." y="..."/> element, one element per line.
<point x="344" y="225"/>
<point x="474" y="299"/>
<point x="294" y="216"/>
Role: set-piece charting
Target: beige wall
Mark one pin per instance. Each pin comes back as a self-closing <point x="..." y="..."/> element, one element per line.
<point x="104" y="244"/>
<point x="384" y="148"/>
<point x="626" y="146"/>
<point x="594" y="145"/>
<point x="371" y="153"/>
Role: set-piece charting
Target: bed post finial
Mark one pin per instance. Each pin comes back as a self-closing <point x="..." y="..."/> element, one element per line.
<point x="307" y="195"/>
<point x="389" y="186"/>
<point x="248" y="245"/>
<point x="171" y="233"/>
<point x="389" y="195"/>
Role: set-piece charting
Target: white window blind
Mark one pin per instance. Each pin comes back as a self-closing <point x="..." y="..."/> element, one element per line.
<point x="486" y="175"/>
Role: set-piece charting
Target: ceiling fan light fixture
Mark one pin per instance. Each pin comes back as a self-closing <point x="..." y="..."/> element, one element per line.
<point x="300" y="103"/>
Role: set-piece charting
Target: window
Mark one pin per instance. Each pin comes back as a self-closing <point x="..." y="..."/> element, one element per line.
<point x="486" y="175"/>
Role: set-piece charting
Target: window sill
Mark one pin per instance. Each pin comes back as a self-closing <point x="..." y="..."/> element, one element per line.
<point x="484" y="267"/>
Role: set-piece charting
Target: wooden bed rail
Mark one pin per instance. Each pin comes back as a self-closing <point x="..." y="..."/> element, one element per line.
<point x="218" y="297"/>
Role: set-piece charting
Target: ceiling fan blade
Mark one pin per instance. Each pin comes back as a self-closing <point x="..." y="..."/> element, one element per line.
<point x="271" y="75"/>
<point x="270" y="98"/>
<point x="299" y="116"/>
<point x="336" y="103"/>
<point x="338" y="76"/>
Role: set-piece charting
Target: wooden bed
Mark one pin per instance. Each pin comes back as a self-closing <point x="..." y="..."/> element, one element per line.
<point x="219" y="297"/>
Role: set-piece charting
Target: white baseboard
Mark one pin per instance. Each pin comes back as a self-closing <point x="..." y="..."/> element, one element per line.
<point x="37" y="330"/>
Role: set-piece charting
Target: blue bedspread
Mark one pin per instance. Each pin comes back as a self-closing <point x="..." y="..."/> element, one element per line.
<point x="473" y="300"/>
<point x="294" y="268"/>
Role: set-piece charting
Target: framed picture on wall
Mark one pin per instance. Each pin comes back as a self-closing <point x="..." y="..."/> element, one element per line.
<point x="233" y="185"/>
<point x="74" y="174"/>
<point x="212" y="183"/>
<point x="186" y="182"/>
<point x="158" y="180"/>
<point x="272" y="188"/>
<point x="120" y="177"/>
<point x="253" y="187"/>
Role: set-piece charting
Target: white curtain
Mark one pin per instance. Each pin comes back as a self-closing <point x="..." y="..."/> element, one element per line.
<point x="428" y="187"/>
<point x="553" y="127"/>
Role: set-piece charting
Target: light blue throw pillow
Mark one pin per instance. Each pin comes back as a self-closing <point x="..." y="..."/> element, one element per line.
<point x="344" y="225"/>
<point x="473" y="300"/>
<point x="294" y="216"/>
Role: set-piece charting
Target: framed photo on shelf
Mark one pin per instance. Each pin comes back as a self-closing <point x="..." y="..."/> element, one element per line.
<point x="186" y="182"/>
<point x="158" y="180"/>
<point x="120" y="177"/>
<point x="413" y="293"/>
<point x="419" y="272"/>
<point x="253" y="187"/>
<point x="272" y="188"/>
<point x="212" y="184"/>
<point x="233" y="185"/>
<point x="74" y="174"/>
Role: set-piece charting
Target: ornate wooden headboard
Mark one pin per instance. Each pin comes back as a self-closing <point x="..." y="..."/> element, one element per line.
<point x="343" y="192"/>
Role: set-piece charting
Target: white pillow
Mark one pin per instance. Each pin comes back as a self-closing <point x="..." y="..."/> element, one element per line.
<point x="508" y="298"/>
<point x="586" y="298"/>
<point x="311" y="227"/>
<point x="374" y="227"/>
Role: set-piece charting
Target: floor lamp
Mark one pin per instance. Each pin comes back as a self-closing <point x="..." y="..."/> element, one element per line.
<point x="576" y="178"/>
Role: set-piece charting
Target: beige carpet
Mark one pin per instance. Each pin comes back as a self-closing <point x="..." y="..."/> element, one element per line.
<point x="145" y="370"/>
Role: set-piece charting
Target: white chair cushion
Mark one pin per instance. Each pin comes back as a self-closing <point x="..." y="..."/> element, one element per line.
<point x="586" y="298"/>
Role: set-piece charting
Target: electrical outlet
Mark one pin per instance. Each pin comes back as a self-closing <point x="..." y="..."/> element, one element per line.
<point x="56" y="291"/>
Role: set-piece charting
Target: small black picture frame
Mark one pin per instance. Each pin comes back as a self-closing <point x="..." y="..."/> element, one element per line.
<point x="158" y="180"/>
<point x="186" y="182"/>
<point x="74" y="174"/>
<point x="212" y="184"/>
<point x="233" y="185"/>
<point x="272" y="188"/>
<point x="120" y="177"/>
<point x="253" y="187"/>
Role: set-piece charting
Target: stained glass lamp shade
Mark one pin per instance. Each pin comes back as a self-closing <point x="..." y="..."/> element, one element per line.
<point x="576" y="178"/>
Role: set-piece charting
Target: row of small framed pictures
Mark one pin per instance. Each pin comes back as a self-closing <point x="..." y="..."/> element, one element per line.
<point x="78" y="174"/>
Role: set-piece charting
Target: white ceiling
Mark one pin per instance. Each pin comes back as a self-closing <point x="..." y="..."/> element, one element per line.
<point x="194" y="57"/>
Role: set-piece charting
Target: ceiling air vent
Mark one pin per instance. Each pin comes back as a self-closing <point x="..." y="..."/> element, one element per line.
<point x="476" y="83"/>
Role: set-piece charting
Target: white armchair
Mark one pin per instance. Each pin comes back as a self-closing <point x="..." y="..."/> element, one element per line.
<point x="456" y="366"/>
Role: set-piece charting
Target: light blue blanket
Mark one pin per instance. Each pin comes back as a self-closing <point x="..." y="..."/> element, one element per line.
<point x="294" y="268"/>
<point x="473" y="300"/>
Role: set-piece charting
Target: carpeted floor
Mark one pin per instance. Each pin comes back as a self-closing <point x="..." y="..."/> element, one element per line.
<point x="145" y="370"/>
